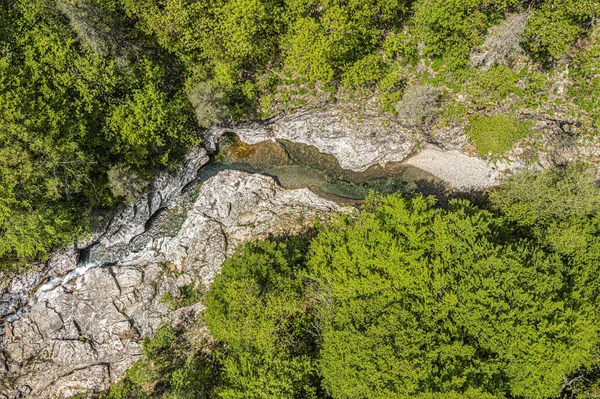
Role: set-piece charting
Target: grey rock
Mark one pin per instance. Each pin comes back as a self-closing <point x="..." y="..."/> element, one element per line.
<point x="163" y="189"/>
<point x="358" y="138"/>
<point x="234" y="207"/>
<point x="16" y="289"/>
<point x="83" y="334"/>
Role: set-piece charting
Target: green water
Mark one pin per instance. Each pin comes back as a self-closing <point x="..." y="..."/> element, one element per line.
<point x="297" y="165"/>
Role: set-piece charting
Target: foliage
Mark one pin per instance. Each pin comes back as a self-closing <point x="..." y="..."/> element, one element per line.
<point x="418" y="301"/>
<point x="124" y="182"/>
<point x="319" y="48"/>
<point x="365" y="72"/>
<point x="100" y="26"/>
<point x="586" y="74"/>
<point x="150" y="123"/>
<point x="209" y="102"/>
<point x="486" y="88"/>
<point x="452" y="28"/>
<point x="419" y="104"/>
<point x="71" y="107"/>
<point x="495" y="135"/>
<point x="555" y="24"/>
<point x="257" y="306"/>
<point x="188" y="295"/>
<point x="173" y="366"/>
<point x="559" y="206"/>
<point x="502" y="44"/>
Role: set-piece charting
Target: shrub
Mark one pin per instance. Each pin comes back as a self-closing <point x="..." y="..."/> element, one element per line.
<point x="502" y="43"/>
<point x="151" y="125"/>
<point x="365" y="72"/>
<point x="486" y="88"/>
<point x="416" y="301"/>
<point x="419" y="104"/>
<point x="125" y="183"/>
<point x="209" y="102"/>
<point x="555" y="24"/>
<point x="99" y="28"/>
<point x="258" y="308"/>
<point x="495" y="135"/>
<point x="451" y="28"/>
<point x="537" y="200"/>
<point x="160" y="344"/>
<point x="586" y="74"/>
<point x="188" y="295"/>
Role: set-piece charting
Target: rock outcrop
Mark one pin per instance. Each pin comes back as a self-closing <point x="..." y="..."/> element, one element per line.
<point x="110" y="242"/>
<point x="357" y="138"/>
<point x="83" y="334"/>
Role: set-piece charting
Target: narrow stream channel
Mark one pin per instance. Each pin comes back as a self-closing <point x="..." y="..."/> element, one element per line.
<point x="296" y="165"/>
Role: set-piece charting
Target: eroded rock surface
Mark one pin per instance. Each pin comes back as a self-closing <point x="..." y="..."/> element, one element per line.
<point x="82" y="335"/>
<point x="357" y="138"/>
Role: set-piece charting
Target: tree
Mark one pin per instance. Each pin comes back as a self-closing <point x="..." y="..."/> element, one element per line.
<point x="555" y="24"/>
<point x="70" y="109"/>
<point x="257" y="307"/>
<point x="422" y="302"/>
<point x="452" y="28"/>
<point x="419" y="104"/>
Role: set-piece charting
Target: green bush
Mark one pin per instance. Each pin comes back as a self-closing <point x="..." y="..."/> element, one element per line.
<point x="365" y="72"/>
<point x="586" y="74"/>
<point x="125" y="183"/>
<point x="419" y="104"/>
<point x="556" y="24"/>
<point x="495" y="135"/>
<point x="188" y="295"/>
<point x="257" y="306"/>
<point x="487" y="88"/>
<point x="209" y="102"/>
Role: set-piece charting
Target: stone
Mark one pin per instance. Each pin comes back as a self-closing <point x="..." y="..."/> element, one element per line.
<point x="83" y="334"/>
<point x="358" y="138"/>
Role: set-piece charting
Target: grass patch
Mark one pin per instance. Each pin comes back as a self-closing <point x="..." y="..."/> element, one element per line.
<point x="188" y="295"/>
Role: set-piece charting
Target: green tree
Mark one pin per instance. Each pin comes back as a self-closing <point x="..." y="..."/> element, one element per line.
<point x="424" y="302"/>
<point x="452" y="28"/>
<point x="555" y="24"/>
<point x="69" y="110"/>
<point x="257" y="307"/>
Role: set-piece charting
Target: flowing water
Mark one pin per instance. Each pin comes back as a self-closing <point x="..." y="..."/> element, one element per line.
<point x="293" y="165"/>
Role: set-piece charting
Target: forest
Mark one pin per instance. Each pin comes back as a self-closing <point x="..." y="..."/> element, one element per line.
<point x="405" y="299"/>
<point x="97" y="95"/>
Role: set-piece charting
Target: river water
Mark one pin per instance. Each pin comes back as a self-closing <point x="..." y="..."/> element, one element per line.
<point x="296" y="165"/>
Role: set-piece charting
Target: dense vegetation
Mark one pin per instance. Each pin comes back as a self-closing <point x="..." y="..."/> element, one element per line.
<point x="405" y="299"/>
<point x="95" y="95"/>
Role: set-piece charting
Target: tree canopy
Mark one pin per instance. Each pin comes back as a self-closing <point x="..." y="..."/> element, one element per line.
<point x="89" y="86"/>
<point x="407" y="299"/>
